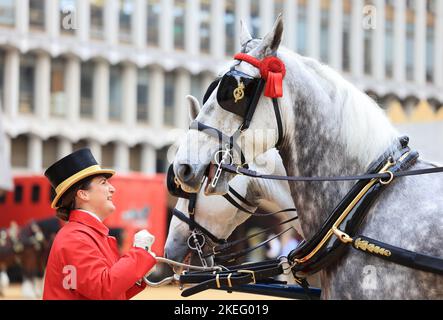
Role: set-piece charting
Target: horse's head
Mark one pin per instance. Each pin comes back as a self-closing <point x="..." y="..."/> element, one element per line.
<point x="237" y="105"/>
<point x="214" y="214"/>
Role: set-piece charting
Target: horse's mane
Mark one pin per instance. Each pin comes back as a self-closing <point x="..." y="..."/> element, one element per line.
<point x="364" y="125"/>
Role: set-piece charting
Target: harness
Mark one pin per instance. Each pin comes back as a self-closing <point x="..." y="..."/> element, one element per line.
<point x="340" y="231"/>
<point x="199" y="235"/>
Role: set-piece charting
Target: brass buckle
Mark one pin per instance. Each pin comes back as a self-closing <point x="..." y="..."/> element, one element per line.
<point x="249" y="271"/>
<point x="217" y="280"/>
<point x="343" y="237"/>
<point x="386" y="182"/>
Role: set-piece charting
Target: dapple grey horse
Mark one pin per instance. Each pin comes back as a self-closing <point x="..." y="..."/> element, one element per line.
<point x="220" y="217"/>
<point x="331" y="128"/>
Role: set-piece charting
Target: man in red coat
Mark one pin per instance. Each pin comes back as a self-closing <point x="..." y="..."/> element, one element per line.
<point x="84" y="262"/>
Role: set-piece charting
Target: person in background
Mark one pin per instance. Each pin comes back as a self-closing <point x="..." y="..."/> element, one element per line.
<point x="84" y="261"/>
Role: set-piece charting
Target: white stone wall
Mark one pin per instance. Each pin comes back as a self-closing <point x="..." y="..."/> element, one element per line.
<point x="186" y="63"/>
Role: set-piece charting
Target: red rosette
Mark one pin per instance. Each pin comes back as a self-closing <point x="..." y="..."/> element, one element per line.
<point x="273" y="70"/>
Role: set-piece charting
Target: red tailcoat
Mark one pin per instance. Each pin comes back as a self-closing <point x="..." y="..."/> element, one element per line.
<point x="84" y="263"/>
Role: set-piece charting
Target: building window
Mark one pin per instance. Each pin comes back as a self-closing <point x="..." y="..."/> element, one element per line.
<point x="108" y="155"/>
<point x="2" y="75"/>
<point x="135" y="158"/>
<point x="68" y="17"/>
<point x="346" y="36"/>
<point x="169" y="98"/>
<point x="58" y="100"/>
<point x="389" y="48"/>
<point x="430" y="6"/>
<point x="37" y="14"/>
<point x="324" y="35"/>
<point x="179" y="24"/>
<point x="255" y="18"/>
<point x="230" y="27"/>
<point x="115" y="93"/>
<point x="196" y="87"/>
<point x="86" y="89"/>
<point x="301" y="30"/>
<point x="26" y="87"/>
<point x="143" y="95"/>
<point x="79" y="145"/>
<point x="279" y="7"/>
<point x="97" y="19"/>
<point x="7" y="13"/>
<point x="50" y="147"/>
<point x="126" y="11"/>
<point x="19" y="152"/>
<point x="162" y="160"/>
<point x="368" y="34"/>
<point x="430" y="53"/>
<point x="410" y="51"/>
<point x="154" y="11"/>
<point x="205" y="26"/>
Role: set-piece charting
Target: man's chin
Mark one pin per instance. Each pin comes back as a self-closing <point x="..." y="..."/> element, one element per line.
<point x="110" y="209"/>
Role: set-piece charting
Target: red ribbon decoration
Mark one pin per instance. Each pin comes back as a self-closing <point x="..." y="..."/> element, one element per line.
<point x="272" y="70"/>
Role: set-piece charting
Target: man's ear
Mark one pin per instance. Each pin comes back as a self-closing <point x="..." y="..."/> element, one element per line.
<point x="82" y="194"/>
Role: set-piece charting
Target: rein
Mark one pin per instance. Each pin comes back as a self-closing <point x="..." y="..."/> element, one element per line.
<point x="385" y="176"/>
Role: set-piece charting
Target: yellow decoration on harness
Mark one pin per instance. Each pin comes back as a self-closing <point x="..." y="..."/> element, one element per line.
<point x="239" y="92"/>
<point x="365" y="245"/>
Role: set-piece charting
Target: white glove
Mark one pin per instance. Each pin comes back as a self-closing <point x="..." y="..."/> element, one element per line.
<point x="143" y="239"/>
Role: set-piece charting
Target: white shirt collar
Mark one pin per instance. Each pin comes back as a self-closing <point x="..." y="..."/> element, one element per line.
<point x="91" y="213"/>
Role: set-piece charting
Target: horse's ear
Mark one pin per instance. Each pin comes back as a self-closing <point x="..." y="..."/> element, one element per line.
<point x="194" y="107"/>
<point x="245" y="36"/>
<point x="272" y="40"/>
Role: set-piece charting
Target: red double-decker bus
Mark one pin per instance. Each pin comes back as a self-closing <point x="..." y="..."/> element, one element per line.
<point x="141" y="203"/>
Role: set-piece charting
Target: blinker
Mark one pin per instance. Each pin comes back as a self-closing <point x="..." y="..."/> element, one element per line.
<point x="236" y="91"/>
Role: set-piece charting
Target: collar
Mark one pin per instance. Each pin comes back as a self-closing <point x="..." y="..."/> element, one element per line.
<point x="89" y="220"/>
<point x="91" y="213"/>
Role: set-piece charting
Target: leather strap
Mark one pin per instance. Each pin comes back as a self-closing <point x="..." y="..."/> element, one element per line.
<point x="252" y="107"/>
<point x="194" y="225"/>
<point x="254" y="174"/>
<point x="231" y="279"/>
<point x="226" y="246"/>
<point x="235" y="255"/>
<point x="279" y="123"/>
<point x="240" y="197"/>
<point x="310" y="258"/>
<point x="398" y="255"/>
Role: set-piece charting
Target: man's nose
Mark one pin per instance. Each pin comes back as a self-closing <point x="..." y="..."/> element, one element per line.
<point x="111" y="188"/>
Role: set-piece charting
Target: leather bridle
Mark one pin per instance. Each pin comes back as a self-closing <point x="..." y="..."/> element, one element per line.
<point x="200" y="235"/>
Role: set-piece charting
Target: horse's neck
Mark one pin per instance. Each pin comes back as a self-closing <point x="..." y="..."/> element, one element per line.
<point x="331" y="130"/>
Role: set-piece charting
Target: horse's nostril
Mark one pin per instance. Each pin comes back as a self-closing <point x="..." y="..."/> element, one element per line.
<point x="185" y="172"/>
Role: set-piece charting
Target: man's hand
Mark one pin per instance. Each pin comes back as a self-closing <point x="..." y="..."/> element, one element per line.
<point x="143" y="239"/>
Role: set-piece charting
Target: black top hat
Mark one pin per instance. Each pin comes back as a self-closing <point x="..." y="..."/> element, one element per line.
<point x="71" y="169"/>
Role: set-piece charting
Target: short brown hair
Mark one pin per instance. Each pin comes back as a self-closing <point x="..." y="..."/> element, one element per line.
<point x="67" y="202"/>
